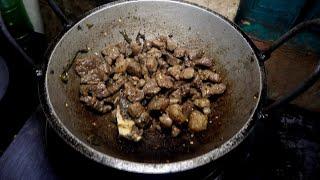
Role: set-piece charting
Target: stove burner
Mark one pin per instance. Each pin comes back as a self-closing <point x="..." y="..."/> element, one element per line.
<point x="4" y="77"/>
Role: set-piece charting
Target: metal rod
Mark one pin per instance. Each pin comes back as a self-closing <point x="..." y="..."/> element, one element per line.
<point x="65" y="21"/>
<point x="14" y="43"/>
<point x="287" y="36"/>
<point x="296" y="92"/>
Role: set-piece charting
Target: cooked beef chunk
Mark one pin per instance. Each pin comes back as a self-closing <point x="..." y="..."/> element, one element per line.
<point x="133" y="68"/>
<point x="175" y="131"/>
<point x="165" y="120"/>
<point x="208" y="75"/>
<point x="187" y="73"/>
<point x="111" y="51"/>
<point x="179" y="52"/>
<point x="86" y="64"/>
<point x="204" y="61"/>
<point x="197" y="121"/>
<point x="194" y="54"/>
<point x="175" y="71"/>
<point x="135" y="110"/>
<point x="171" y="44"/>
<point x="152" y="86"/>
<point x="121" y="65"/>
<point x="212" y="89"/>
<point x="202" y="102"/>
<point x="151" y="64"/>
<point x="175" y="113"/>
<point x="133" y="93"/>
<point x="135" y="48"/>
<point x="158" y="103"/>
<point x="163" y="80"/>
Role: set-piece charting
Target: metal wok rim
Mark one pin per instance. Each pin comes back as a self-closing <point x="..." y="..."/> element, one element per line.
<point x="147" y="168"/>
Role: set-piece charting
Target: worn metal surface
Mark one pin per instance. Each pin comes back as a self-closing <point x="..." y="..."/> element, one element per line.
<point x="193" y="27"/>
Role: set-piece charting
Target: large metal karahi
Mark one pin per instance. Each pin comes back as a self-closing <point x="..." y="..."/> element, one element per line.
<point x="240" y="61"/>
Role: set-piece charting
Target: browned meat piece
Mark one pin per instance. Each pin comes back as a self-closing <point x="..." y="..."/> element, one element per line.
<point x="144" y="71"/>
<point x="117" y="76"/>
<point x="171" y="59"/>
<point x="100" y="91"/>
<point x="204" y="61"/>
<point x="162" y="64"/>
<point x="195" y="93"/>
<point x="171" y="83"/>
<point x="88" y="100"/>
<point x="207" y="75"/>
<point x="187" y="73"/>
<point x="121" y="65"/>
<point x="154" y="52"/>
<point x="202" y="102"/>
<point x="163" y="38"/>
<point x="93" y="77"/>
<point x="187" y="108"/>
<point x="133" y="80"/>
<point x="105" y="68"/>
<point x="174" y="100"/>
<point x="86" y="64"/>
<point x="133" y="94"/>
<point x="151" y="63"/>
<point x="111" y="51"/>
<point x="164" y="80"/>
<point x="135" y="110"/>
<point x="175" y="113"/>
<point x="122" y="46"/>
<point x="134" y="68"/>
<point x="209" y="89"/>
<point x="108" y="60"/>
<point x="206" y="110"/>
<point x="197" y="121"/>
<point x="141" y="83"/>
<point x="175" y="96"/>
<point x="194" y="54"/>
<point x="158" y="43"/>
<point x="143" y="120"/>
<point x="175" y="71"/>
<point x="165" y="120"/>
<point x="158" y="103"/>
<point x="135" y="48"/>
<point x="142" y="57"/>
<point x="188" y="63"/>
<point x="197" y="82"/>
<point x="147" y="45"/>
<point x="185" y="89"/>
<point x="179" y="52"/>
<point x="175" y="131"/>
<point x="151" y="87"/>
<point x="95" y="104"/>
<point x="171" y="44"/>
<point x="101" y="107"/>
<point x="115" y="86"/>
<point x="113" y="99"/>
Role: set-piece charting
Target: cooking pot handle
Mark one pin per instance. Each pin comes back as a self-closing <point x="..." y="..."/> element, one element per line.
<point x="63" y="18"/>
<point x="265" y="54"/>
